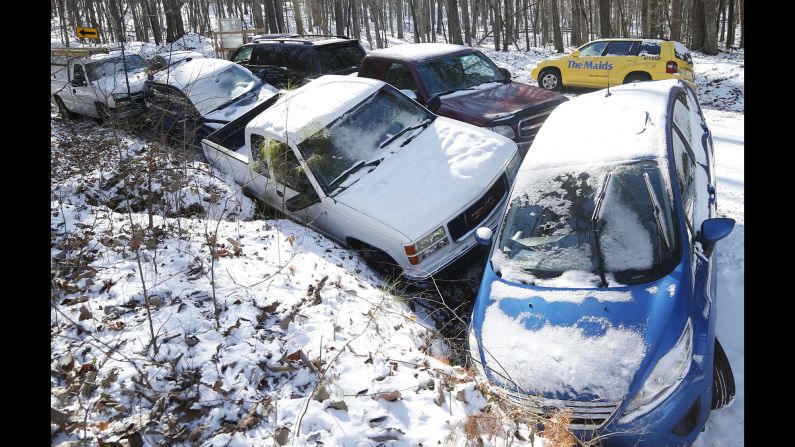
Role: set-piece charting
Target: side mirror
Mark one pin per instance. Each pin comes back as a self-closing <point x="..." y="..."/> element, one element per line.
<point x="78" y="82"/>
<point x="484" y="235"/>
<point x="263" y="74"/>
<point x="713" y="230"/>
<point x="506" y="73"/>
<point x="409" y="93"/>
<point x="434" y="104"/>
<point x="575" y="53"/>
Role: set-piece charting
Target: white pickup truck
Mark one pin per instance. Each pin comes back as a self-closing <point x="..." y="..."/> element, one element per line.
<point x="358" y="161"/>
<point x="96" y="82"/>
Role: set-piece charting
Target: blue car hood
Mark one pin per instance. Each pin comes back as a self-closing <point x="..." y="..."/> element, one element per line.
<point x="576" y="343"/>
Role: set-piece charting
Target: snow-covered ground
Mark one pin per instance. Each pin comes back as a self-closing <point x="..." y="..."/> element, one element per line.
<point x="287" y="331"/>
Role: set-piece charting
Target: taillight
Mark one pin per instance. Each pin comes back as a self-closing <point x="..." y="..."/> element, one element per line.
<point x="671" y="67"/>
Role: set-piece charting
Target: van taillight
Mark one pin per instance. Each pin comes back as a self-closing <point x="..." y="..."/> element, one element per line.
<point x="671" y="67"/>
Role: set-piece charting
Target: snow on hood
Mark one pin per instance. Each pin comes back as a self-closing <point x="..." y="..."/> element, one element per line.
<point x="562" y="360"/>
<point x="500" y="290"/>
<point x="494" y="100"/>
<point x="446" y="167"/>
<point x="109" y="85"/>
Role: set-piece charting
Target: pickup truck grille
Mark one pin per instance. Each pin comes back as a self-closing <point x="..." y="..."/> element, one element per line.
<point x="529" y="127"/>
<point x="584" y="415"/>
<point x="478" y="211"/>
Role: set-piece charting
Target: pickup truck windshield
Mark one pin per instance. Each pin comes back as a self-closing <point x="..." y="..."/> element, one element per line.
<point x="212" y="92"/>
<point x="354" y="138"/>
<point x="113" y="66"/>
<point x="549" y="226"/>
<point x="457" y="72"/>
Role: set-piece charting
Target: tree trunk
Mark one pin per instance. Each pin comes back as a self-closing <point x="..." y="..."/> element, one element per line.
<point x="710" y="27"/>
<point x="270" y="17"/>
<point x="507" y="35"/>
<point x="722" y="20"/>
<point x="256" y="12"/>
<point x="697" y="25"/>
<point x="339" y="21"/>
<point x="399" y="18"/>
<point x="118" y="27"/>
<point x="557" y="35"/>
<point x="576" y="38"/>
<point x="474" y="24"/>
<point x="367" y="25"/>
<point x="742" y="23"/>
<point x="62" y="19"/>
<point x="676" y="20"/>
<point x="465" y="24"/>
<point x="525" y="10"/>
<point x="357" y="27"/>
<point x="604" y="19"/>
<point x="730" y="27"/>
<point x="453" y="24"/>
<point x="280" y="20"/>
<point x="497" y="25"/>
<point x="545" y="23"/>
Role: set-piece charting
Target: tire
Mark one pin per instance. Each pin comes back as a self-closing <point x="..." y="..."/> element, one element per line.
<point x="723" y="388"/>
<point x="549" y="79"/>
<point x="636" y="77"/>
<point x="377" y="259"/>
<point x="62" y="109"/>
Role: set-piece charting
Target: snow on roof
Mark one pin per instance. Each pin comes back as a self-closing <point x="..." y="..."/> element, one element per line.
<point x="302" y="112"/>
<point x="627" y="125"/>
<point x="419" y="51"/>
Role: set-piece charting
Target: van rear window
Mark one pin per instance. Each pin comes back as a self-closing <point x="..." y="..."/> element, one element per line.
<point x="681" y="52"/>
<point x="649" y="48"/>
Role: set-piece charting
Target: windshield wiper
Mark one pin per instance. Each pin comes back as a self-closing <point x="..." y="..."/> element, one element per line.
<point x="597" y="245"/>
<point x="656" y="205"/>
<point x="424" y="123"/>
<point x="334" y="185"/>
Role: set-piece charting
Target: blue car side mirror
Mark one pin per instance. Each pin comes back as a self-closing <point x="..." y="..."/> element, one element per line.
<point x="713" y="230"/>
<point x="263" y="73"/>
<point x="484" y="235"/>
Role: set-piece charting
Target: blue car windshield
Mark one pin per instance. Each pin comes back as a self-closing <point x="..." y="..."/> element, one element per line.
<point x="552" y="223"/>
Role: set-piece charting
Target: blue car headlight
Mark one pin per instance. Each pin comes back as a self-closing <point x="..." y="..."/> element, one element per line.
<point x="666" y="376"/>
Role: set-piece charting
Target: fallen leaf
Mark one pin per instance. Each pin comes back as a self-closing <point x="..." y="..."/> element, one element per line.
<point x="85" y="314"/>
<point x="390" y="396"/>
<point x="282" y="435"/>
<point x="339" y="405"/>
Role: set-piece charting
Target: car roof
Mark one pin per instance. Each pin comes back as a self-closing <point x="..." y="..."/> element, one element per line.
<point x="419" y="51"/>
<point x="302" y="112"/>
<point x="595" y="128"/>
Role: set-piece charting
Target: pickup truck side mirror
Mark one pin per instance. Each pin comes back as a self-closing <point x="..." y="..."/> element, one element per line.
<point x="575" y="53"/>
<point x="506" y="73"/>
<point x="78" y="81"/>
<point x="434" y="104"/>
<point x="263" y="74"/>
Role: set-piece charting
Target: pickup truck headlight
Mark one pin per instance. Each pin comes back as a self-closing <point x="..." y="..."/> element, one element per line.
<point x="669" y="372"/>
<point x="426" y="246"/>
<point x="505" y="131"/>
<point x="513" y="167"/>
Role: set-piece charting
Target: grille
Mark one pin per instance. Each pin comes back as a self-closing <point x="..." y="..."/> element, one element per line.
<point x="478" y="211"/>
<point x="529" y="127"/>
<point x="584" y="415"/>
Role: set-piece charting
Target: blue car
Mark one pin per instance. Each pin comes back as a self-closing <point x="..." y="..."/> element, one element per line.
<point x="599" y="297"/>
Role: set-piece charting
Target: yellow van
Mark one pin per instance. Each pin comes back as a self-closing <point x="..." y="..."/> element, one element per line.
<point x="616" y="61"/>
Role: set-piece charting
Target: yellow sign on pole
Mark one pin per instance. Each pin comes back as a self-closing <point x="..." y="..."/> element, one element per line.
<point x="90" y="33"/>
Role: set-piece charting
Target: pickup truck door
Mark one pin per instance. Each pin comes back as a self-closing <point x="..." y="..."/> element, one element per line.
<point x="83" y="93"/>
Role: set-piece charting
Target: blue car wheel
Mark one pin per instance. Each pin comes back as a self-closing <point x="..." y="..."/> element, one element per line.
<point x="723" y="388"/>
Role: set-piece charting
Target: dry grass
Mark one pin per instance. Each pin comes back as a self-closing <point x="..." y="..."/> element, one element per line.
<point x="556" y="431"/>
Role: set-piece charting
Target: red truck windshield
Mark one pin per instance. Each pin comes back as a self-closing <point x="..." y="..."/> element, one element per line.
<point x="457" y="72"/>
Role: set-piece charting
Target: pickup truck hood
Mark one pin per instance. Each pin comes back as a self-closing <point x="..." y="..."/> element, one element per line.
<point x="482" y="106"/>
<point x="578" y="344"/>
<point x="242" y="105"/>
<point x="118" y="84"/>
<point x="421" y="186"/>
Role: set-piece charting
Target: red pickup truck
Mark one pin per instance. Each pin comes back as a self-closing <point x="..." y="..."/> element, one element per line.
<point x="462" y="83"/>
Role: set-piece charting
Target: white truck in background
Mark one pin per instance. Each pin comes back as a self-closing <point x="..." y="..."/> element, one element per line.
<point x="97" y="82"/>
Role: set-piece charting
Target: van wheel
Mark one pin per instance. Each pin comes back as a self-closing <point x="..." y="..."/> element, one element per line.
<point x="636" y="77"/>
<point x="549" y="79"/>
<point x="377" y="259"/>
<point x="62" y="109"/>
<point x="102" y="112"/>
<point x="723" y="389"/>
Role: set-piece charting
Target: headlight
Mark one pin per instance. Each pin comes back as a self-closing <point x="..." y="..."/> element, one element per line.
<point x="505" y="131"/>
<point x="426" y="246"/>
<point x="513" y="167"/>
<point x="664" y="378"/>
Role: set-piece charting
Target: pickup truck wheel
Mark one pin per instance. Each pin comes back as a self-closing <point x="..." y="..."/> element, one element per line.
<point x="62" y="109"/>
<point x="377" y="259"/>
<point x="723" y="388"/>
<point x="549" y="79"/>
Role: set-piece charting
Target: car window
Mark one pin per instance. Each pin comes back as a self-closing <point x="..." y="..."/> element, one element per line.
<point x="649" y="48"/>
<point x="258" y="163"/>
<point x="622" y="48"/>
<point x="133" y="63"/>
<point x="685" y="175"/>
<point x="681" y="52"/>
<point x="339" y="58"/>
<point x="77" y="72"/>
<point x="370" y="69"/>
<point x="284" y="167"/>
<point x="300" y="59"/>
<point x="456" y="72"/>
<point x="593" y="49"/>
<point x="262" y="55"/>
<point x="400" y="77"/>
<point x="244" y="55"/>
<point x="681" y="117"/>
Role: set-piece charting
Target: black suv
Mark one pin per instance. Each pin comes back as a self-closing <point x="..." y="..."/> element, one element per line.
<point x="295" y="60"/>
